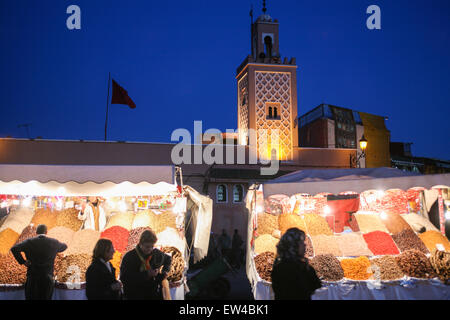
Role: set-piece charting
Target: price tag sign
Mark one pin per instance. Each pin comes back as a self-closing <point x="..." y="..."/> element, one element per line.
<point x="180" y="205"/>
<point x="440" y="247"/>
<point x="142" y="204"/>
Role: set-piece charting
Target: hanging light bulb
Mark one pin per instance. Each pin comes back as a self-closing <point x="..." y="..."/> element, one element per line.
<point x="327" y="210"/>
<point x="26" y="202"/>
<point x="122" y="205"/>
<point x="383" y="215"/>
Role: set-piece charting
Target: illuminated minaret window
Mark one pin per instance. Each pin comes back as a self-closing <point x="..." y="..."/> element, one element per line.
<point x="267" y="93"/>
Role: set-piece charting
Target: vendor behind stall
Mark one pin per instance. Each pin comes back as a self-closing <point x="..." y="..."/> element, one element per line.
<point x="93" y="215"/>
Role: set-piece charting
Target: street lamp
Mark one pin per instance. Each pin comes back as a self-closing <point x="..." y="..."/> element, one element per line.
<point x="355" y="159"/>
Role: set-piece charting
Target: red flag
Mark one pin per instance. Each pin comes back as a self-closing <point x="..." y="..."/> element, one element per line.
<point x="120" y="96"/>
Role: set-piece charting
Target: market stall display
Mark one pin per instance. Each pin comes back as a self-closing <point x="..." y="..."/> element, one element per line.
<point x="267" y="223"/>
<point x="134" y="197"/>
<point x="375" y="235"/>
<point x="264" y="264"/>
<point x="11" y="272"/>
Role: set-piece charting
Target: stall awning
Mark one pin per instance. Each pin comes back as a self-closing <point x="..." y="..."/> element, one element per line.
<point x="357" y="180"/>
<point x="69" y="180"/>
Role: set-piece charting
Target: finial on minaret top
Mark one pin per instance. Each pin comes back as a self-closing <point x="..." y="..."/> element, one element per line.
<point x="264" y="6"/>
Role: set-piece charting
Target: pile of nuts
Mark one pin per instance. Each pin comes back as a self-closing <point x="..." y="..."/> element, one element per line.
<point x="324" y="244"/>
<point x="45" y="216"/>
<point x="407" y="240"/>
<point x="386" y="268"/>
<point x="69" y="218"/>
<point x="11" y="272"/>
<point x="327" y="267"/>
<point x="72" y="268"/>
<point x="287" y="221"/>
<point x="415" y="264"/>
<point x="266" y="243"/>
<point x="353" y="244"/>
<point x="27" y="233"/>
<point x="317" y="224"/>
<point x="264" y="264"/>
<point x="266" y="223"/>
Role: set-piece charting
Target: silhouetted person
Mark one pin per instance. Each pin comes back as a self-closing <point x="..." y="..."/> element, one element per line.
<point x="236" y="248"/>
<point x="225" y="243"/>
<point x="101" y="283"/>
<point x="292" y="276"/>
<point x="40" y="253"/>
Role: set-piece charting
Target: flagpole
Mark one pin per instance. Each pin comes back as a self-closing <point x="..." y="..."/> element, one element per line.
<point x="107" y="103"/>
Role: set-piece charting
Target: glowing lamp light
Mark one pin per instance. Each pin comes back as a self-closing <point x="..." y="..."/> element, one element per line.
<point x="61" y="191"/>
<point x="59" y="204"/>
<point x="15" y="202"/>
<point x="363" y="144"/>
<point x="327" y="210"/>
<point x="383" y="215"/>
<point x="4" y="204"/>
<point x="447" y="215"/>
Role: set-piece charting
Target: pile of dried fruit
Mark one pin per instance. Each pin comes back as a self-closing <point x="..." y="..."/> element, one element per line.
<point x="323" y="244"/>
<point x="119" y="237"/>
<point x="287" y="221"/>
<point x="45" y="216"/>
<point x="327" y="267"/>
<point x="394" y="222"/>
<point x="407" y="240"/>
<point x="69" y="218"/>
<point x="432" y="238"/>
<point x="27" y="233"/>
<point x="440" y="261"/>
<point x="386" y="268"/>
<point x="415" y="264"/>
<point x="8" y="238"/>
<point x="83" y="242"/>
<point x="266" y="243"/>
<point x="264" y="264"/>
<point x="133" y="239"/>
<point x="266" y="223"/>
<point x="352" y="245"/>
<point x="72" y="268"/>
<point x="316" y="225"/>
<point x="380" y="243"/>
<point x="122" y="219"/>
<point x="177" y="266"/>
<point x="356" y="268"/>
<point x="369" y="222"/>
<point x="11" y="272"/>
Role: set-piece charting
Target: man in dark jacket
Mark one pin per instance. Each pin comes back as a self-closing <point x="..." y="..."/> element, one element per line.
<point x="140" y="269"/>
<point x="40" y="253"/>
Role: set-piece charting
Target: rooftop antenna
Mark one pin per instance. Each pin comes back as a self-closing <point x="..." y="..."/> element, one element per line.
<point x="26" y="125"/>
<point x="264" y="6"/>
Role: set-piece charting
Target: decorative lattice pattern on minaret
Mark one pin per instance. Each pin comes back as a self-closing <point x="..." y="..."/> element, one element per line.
<point x="274" y="87"/>
<point x="243" y="108"/>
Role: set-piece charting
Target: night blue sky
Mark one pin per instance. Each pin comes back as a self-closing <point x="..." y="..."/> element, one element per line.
<point x="178" y="60"/>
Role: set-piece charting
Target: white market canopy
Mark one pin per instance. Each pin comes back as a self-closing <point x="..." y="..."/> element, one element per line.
<point x="85" y="180"/>
<point x="357" y="180"/>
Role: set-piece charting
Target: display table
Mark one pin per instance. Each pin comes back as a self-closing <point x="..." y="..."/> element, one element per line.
<point x="407" y="289"/>
<point x="17" y="292"/>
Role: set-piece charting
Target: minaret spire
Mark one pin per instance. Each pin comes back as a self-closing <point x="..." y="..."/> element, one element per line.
<point x="264" y="6"/>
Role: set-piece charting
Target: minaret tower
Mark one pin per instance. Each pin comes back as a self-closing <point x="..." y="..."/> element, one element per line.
<point x="267" y="93"/>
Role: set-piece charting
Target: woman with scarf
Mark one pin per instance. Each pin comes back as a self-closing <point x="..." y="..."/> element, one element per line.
<point x="292" y="276"/>
<point x="143" y="269"/>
